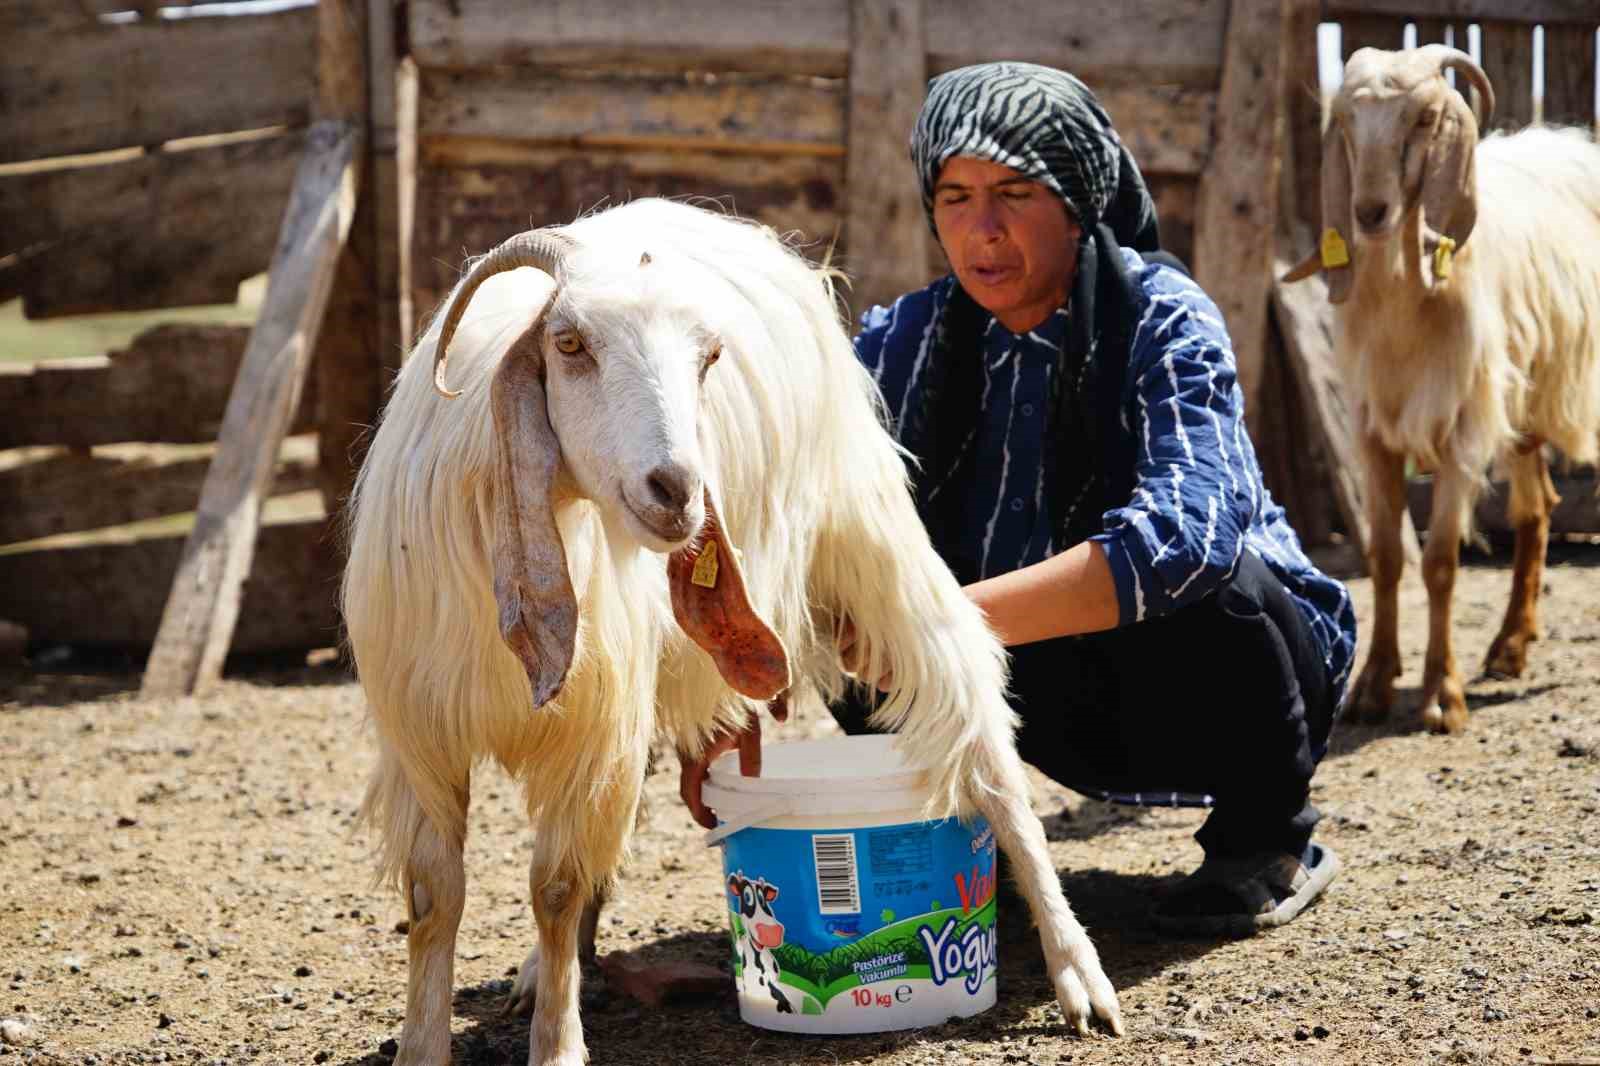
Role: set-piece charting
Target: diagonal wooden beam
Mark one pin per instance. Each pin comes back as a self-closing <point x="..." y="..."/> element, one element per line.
<point x="203" y="606"/>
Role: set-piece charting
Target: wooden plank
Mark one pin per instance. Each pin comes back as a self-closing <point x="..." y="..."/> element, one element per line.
<point x="1168" y="128"/>
<point x="1577" y="513"/>
<point x="203" y="607"/>
<point x="886" y="232"/>
<point x="1370" y="31"/>
<point x="767" y="114"/>
<point x="69" y="492"/>
<point x="170" y="385"/>
<point x="1569" y="74"/>
<point x="1105" y="42"/>
<point x="1508" y="60"/>
<point x="472" y="196"/>
<point x="1305" y="320"/>
<point x="383" y="184"/>
<point x="1300" y="189"/>
<point x="1175" y="199"/>
<point x="111" y="86"/>
<point x="142" y="233"/>
<point x="111" y="594"/>
<point x="348" y="364"/>
<point x="1528" y="11"/>
<point x="1238" y="205"/>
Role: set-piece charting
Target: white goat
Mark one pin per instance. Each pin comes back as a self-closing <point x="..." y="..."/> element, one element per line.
<point x="1457" y="352"/>
<point x="509" y="592"/>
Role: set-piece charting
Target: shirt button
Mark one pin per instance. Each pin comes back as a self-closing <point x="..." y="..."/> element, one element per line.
<point x="1027" y="409"/>
<point x="1016" y="503"/>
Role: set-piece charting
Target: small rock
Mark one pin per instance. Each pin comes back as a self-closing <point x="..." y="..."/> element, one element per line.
<point x="126" y="822"/>
<point x="666" y="982"/>
<point x="403" y="926"/>
<point x="302" y="970"/>
<point x="322" y="1056"/>
<point x="1491" y="1013"/>
<point x="1476" y="972"/>
<point x="1320" y="1032"/>
<point x="14" y="1032"/>
<point x="389" y="1048"/>
<point x="1571" y="749"/>
<point x="1396" y="934"/>
<point x="73" y="964"/>
<point x="1302" y="1033"/>
<point x="163" y="1021"/>
<point x="13" y="642"/>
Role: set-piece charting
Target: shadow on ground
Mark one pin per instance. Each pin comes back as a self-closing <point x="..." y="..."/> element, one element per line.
<point x="620" y="1030"/>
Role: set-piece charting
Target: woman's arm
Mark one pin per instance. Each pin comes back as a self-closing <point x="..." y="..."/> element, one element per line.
<point x="1065" y="595"/>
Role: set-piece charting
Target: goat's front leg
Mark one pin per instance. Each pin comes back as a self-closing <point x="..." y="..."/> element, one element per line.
<point x="1533" y="497"/>
<point x="1444" y="700"/>
<point x="556" y="1035"/>
<point x="1373" y="693"/>
<point x="1082" y="988"/>
<point x="524" y="989"/>
<point x="435" y="883"/>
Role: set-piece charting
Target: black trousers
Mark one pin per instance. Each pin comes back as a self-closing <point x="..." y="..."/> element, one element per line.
<point x="1228" y="697"/>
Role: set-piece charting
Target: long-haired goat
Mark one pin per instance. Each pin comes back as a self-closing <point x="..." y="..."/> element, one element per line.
<point x="1457" y="352"/>
<point x="519" y="580"/>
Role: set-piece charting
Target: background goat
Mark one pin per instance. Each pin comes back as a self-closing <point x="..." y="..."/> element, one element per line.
<point x="1456" y="351"/>
<point x="592" y="435"/>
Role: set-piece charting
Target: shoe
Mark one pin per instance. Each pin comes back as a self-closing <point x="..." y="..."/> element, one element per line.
<point x="1242" y="896"/>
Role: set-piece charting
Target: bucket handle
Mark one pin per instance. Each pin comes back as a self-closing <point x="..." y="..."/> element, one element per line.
<point x="776" y="809"/>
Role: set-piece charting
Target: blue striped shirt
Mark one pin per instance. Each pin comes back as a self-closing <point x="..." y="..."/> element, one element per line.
<point x="1199" y="500"/>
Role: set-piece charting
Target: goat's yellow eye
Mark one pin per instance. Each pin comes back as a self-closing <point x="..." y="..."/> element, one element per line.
<point x="569" y="343"/>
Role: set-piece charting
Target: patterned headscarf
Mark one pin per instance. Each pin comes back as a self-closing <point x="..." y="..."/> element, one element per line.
<point x="1046" y="125"/>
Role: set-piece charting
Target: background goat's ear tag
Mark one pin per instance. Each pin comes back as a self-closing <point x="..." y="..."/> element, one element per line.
<point x="1443" y="257"/>
<point x="1334" y="252"/>
<point x="705" y="566"/>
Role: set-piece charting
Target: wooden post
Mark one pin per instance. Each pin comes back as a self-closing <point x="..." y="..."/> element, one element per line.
<point x="1237" y="214"/>
<point x="1304" y="319"/>
<point x="1508" y="60"/>
<point x="203" y="606"/>
<point x="360" y="334"/>
<point x="1301" y="184"/>
<point x="1569" y="74"/>
<point x="886" y="232"/>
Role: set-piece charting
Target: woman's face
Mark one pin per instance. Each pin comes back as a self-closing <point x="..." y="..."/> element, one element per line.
<point x="1010" y="240"/>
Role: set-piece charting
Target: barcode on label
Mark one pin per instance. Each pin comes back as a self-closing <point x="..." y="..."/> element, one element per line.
<point x="838" y="891"/>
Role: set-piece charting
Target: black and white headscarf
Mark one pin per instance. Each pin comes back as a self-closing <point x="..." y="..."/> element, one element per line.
<point x="1046" y="125"/>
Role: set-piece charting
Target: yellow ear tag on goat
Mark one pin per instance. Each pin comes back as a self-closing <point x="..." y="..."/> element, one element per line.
<point x="1334" y="252"/>
<point x="1443" y="256"/>
<point x="705" y="567"/>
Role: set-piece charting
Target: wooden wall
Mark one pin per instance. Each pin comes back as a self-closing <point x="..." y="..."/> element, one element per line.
<point x="145" y="163"/>
<point x="525" y="120"/>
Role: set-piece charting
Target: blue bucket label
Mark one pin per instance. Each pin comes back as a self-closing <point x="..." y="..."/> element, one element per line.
<point x="862" y="930"/>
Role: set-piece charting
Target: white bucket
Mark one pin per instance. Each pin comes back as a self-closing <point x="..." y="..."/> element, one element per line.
<point x="848" y="913"/>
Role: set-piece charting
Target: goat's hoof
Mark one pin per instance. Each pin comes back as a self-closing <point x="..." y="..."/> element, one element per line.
<point x="1086" y="995"/>
<point x="519" y="1001"/>
<point x="1447" y="714"/>
<point x="1508" y="656"/>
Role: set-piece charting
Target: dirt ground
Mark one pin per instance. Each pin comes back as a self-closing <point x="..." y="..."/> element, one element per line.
<point x="181" y="882"/>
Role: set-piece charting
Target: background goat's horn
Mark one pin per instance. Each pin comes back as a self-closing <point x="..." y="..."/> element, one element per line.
<point x="542" y="249"/>
<point x="1455" y="59"/>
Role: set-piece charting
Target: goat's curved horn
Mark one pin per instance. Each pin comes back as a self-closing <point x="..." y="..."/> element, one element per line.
<point x="542" y="249"/>
<point x="1455" y="59"/>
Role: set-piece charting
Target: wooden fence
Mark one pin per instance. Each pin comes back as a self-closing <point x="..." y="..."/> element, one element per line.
<point x="527" y="114"/>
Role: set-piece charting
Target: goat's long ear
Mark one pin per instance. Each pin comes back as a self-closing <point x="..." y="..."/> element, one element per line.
<point x="1449" y="175"/>
<point x="1338" y="215"/>
<point x="538" y="612"/>
<point x="711" y="606"/>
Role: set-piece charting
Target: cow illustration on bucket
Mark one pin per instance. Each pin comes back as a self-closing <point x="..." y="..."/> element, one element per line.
<point x="759" y="932"/>
<point x="883" y="921"/>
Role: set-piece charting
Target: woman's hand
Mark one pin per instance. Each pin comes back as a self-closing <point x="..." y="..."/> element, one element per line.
<point x="692" y="773"/>
<point x="853" y="657"/>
